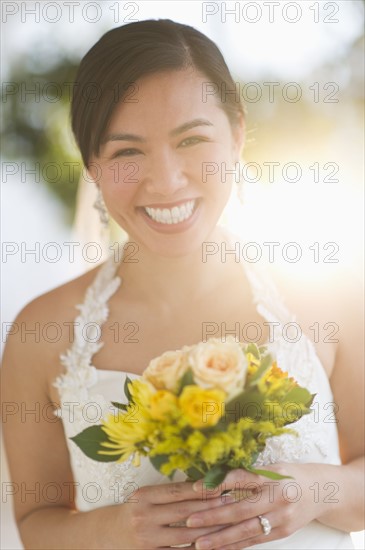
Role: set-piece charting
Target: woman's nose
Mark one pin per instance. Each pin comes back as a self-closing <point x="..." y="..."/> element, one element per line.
<point x="165" y="174"/>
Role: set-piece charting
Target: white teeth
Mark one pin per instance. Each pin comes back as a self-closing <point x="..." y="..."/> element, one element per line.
<point x="176" y="214"/>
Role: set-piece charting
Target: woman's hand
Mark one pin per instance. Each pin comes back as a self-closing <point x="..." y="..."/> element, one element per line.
<point x="146" y="521"/>
<point x="288" y="505"/>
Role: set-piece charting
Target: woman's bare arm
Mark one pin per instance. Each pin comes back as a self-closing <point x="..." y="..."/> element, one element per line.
<point x="347" y="383"/>
<point x="42" y="480"/>
<point x="337" y="303"/>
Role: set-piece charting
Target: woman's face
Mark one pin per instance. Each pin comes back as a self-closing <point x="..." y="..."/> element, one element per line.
<point x="163" y="166"/>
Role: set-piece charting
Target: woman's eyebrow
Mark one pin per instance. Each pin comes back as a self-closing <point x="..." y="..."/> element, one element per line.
<point x="176" y="131"/>
<point x="122" y="137"/>
<point x="191" y="124"/>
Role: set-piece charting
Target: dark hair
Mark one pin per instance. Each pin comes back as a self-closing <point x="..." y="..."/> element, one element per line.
<point x="127" y="53"/>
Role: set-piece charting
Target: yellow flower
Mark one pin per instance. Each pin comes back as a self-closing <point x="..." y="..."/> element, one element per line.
<point x="201" y="407"/>
<point x="167" y="445"/>
<point x="136" y="460"/>
<point x="126" y="432"/>
<point x="175" y="462"/>
<point x="276" y="382"/>
<point x="194" y="442"/>
<point x="141" y="392"/>
<point x="162" y="404"/>
<point x="252" y="360"/>
<point x="215" y="448"/>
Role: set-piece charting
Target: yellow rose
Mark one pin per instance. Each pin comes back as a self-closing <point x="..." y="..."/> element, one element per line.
<point x="219" y="364"/>
<point x="201" y="408"/>
<point x="162" y="403"/>
<point x="165" y="371"/>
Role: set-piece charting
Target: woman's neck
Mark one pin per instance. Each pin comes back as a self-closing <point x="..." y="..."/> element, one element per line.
<point x="171" y="281"/>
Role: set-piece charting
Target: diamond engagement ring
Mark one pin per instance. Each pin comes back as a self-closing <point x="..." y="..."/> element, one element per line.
<point x="265" y="524"/>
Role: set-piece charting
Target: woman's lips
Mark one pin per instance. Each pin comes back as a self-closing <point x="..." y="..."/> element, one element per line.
<point x="170" y="223"/>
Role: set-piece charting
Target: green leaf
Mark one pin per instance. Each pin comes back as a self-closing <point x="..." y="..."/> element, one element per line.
<point x="126" y="389"/>
<point x="266" y="473"/>
<point x="309" y="403"/>
<point x="252" y="348"/>
<point x="298" y="395"/>
<point x="89" y="441"/>
<point x="193" y="474"/>
<point x="186" y="380"/>
<point x="120" y="405"/>
<point x="248" y="403"/>
<point x="215" y="476"/>
<point x="158" y="460"/>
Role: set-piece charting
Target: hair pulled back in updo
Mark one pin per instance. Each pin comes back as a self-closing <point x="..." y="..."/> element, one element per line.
<point x="108" y="72"/>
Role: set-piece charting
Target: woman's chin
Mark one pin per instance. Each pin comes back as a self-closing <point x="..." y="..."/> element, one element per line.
<point x="173" y="240"/>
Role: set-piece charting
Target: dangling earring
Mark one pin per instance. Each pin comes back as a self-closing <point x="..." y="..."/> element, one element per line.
<point x="99" y="205"/>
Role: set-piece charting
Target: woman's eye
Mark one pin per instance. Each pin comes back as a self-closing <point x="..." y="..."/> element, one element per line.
<point x="192" y="141"/>
<point x="126" y="153"/>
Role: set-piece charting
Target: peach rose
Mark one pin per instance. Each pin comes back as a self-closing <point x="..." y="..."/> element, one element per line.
<point x="164" y="372"/>
<point x="219" y="364"/>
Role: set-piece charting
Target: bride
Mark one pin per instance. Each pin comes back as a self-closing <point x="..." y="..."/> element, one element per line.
<point x="147" y="129"/>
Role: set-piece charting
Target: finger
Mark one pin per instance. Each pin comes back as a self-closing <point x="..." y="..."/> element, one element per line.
<point x="169" y="536"/>
<point x="248" y="543"/>
<point x="230" y="513"/>
<point x="235" y="510"/>
<point x="234" y="480"/>
<point x="172" y="492"/>
<point x="165" y="514"/>
<point x="237" y="534"/>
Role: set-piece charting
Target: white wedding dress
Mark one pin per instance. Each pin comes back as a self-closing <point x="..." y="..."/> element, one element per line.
<point x="85" y="395"/>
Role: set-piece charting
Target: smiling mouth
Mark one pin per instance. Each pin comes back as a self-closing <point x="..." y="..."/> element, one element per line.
<point x="170" y="216"/>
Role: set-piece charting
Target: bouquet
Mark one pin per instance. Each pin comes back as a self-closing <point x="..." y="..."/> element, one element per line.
<point x="206" y="409"/>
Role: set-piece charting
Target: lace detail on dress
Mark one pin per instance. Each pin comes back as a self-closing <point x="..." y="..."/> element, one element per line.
<point x="295" y="353"/>
<point x="266" y="296"/>
<point x="86" y="394"/>
<point x="80" y="373"/>
<point x="97" y="482"/>
<point x="286" y="337"/>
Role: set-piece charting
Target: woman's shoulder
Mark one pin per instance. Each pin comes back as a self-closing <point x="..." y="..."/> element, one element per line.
<point x="328" y="309"/>
<point x="43" y="328"/>
<point x="327" y="293"/>
<point x="60" y="301"/>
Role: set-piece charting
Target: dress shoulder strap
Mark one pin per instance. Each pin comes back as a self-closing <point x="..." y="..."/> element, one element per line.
<point x="94" y="312"/>
<point x="265" y="294"/>
<point x="267" y="298"/>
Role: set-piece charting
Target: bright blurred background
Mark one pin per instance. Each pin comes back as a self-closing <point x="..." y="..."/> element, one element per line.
<point x="300" y="70"/>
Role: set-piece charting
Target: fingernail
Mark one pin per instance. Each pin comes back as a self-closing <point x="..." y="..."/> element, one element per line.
<point x="203" y="544"/>
<point x="197" y="486"/>
<point x="194" y="522"/>
<point x="229" y="499"/>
